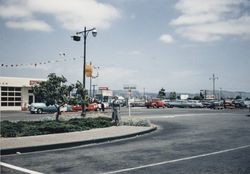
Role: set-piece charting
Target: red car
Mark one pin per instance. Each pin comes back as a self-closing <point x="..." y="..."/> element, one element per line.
<point x="76" y="108"/>
<point x="90" y="107"/>
<point x="155" y="103"/>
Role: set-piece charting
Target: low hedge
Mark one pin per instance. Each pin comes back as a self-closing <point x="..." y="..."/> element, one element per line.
<point x="30" y="128"/>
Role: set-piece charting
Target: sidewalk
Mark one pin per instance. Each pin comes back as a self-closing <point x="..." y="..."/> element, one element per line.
<point x="63" y="140"/>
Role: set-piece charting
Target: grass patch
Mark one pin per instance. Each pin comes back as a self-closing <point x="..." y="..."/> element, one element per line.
<point x="31" y="128"/>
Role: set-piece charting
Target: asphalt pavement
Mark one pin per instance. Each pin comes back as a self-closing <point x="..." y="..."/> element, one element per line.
<point x="188" y="141"/>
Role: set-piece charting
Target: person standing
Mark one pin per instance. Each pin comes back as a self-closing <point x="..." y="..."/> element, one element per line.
<point x="115" y="111"/>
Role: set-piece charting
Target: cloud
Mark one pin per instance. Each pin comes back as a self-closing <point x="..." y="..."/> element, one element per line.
<point x="135" y="52"/>
<point x="71" y="15"/>
<point x="166" y="38"/>
<point x="212" y="20"/>
<point x="130" y="53"/>
<point x="117" y="75"/>
<point x="29" y="25"/>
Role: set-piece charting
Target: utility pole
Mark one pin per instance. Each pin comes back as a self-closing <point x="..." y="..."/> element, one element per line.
<point x="213" y="78"/>
<point x="94" y="90"/>
<point x="144" y="97"/>
<point x="220" y="93"/>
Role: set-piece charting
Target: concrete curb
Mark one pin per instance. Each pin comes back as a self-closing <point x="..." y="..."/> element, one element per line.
<point x="8" y="151"/>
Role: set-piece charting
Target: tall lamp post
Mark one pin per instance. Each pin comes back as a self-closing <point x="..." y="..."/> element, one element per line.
<point x="213" y="78"/>
<point x="77" y="38"/>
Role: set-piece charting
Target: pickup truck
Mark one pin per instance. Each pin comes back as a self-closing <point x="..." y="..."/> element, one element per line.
<point x="155" y="103"/>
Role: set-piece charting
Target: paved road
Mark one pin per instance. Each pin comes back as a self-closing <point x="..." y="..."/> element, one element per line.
<point x="189" y="141"/>
<point x="135" y="111"/>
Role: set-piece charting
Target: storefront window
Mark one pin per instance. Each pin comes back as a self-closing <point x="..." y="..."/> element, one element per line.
<point x="11" y="93"/>
<point x="4" y="93"/>
<point x="10" y="104"/>
<point x="4" y="98"/>
<point x="18" y="99"/>
<point x="4" y="104"/>
<point x="18" y="104"/>
<point x="4" y="88"/>
<point x="17" y="94"/>
<point x="18" y="89"/>
<point x="11" y="88"/>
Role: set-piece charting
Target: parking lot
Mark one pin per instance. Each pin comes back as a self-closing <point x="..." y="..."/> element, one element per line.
<point x="187" y="141"/>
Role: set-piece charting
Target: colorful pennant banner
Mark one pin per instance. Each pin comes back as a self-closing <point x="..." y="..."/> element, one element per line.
<point x="15" y="65"/>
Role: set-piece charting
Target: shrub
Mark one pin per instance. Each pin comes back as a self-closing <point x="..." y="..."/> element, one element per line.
<point x="30" y="128"/>
<point x="135" y="122"/>
<point x="9" y="129"/>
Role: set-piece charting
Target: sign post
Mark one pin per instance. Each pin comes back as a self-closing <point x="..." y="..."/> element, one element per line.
<point x="129" y="88"/>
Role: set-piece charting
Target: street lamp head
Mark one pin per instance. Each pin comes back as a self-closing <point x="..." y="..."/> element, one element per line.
<point x="94" y="32"/>
<point x="76" y="38"/>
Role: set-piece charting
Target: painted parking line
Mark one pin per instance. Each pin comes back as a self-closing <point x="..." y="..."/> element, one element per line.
<point x="176" y="160"/>
<point x="20" y="169"/>
<point x="183" y="115"/>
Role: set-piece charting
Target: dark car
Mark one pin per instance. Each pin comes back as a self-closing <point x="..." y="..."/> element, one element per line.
<point x="216" y="105"/>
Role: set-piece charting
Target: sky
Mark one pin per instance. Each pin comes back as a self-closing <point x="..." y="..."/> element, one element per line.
<point x="172" y="44"/>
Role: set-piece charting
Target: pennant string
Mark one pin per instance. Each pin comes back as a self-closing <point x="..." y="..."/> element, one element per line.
<point x="36" y="64"/>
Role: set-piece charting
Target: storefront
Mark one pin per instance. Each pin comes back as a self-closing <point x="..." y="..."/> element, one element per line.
<point x="16" y="93"/>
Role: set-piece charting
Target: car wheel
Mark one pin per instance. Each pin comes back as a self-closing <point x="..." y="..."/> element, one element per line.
<point x="39" y="111"/>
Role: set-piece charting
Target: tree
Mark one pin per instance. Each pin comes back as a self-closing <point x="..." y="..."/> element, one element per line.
<point x="54" y="91"/>
<point x="172" y="95"/>
<point x="238" y="97"/>
<point x="162" y="94"/>
<point x="82" y="97"/>
<point x="197" y="98"/>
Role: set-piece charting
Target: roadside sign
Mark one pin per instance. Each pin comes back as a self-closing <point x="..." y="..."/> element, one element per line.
<point x="129" y="87"/>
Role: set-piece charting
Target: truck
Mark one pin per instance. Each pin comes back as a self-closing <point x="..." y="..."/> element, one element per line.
<point x="104" y="95"/>
<point x="155" y="103"/>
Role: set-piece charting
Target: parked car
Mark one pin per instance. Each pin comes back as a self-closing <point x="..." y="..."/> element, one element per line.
<point x="228" y="104"/>
<point x="217" y="105"/>
<point x="178" y="104"/>
<point x="155" y="103"/>
<point x="194" y="104"/>
<point x="76" y="108"/>
<point x="166" y="102"/>
<point x="40" y="108"/>
<point x="247" y="103"/>
<point x="138" y="103"/>
<point x="239" y="104"/>
<point x="90" y="107"/>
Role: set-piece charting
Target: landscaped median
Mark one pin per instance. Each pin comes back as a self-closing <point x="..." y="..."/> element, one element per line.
<point x="31" y="128"/>
<point x="92" y="134"/>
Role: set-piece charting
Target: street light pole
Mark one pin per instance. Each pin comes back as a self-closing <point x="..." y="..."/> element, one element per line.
<point x="84" y="33"/>
<point x="84" y="55"/>
<point x="213" y="78"/>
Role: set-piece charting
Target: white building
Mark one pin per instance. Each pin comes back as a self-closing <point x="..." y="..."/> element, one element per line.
<point x="16" y="93"/>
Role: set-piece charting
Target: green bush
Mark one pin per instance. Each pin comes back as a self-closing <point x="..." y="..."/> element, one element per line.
<point x="10" y="129"/>
<point x="30" y="128"/>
